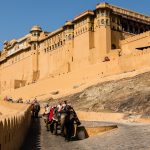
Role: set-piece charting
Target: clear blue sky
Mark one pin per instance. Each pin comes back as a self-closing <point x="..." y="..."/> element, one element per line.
<point x="18" y="16"/>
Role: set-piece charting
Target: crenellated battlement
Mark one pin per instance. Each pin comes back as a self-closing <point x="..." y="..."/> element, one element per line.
<point x="13" y="126"/>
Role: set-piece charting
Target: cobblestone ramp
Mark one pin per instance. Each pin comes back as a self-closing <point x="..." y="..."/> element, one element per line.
<point x="129" y="136"/>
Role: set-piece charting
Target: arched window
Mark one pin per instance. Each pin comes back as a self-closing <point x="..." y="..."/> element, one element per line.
<point x="131" y="28"/>
<point x="113" y="46"/>
<point x="141" y="30"/>
<point x="61" y="43"/>
<point x="107" y="22"/>
<point x="69" y="36"/>
<point x="34" y="46"/>
<point x="136" y="30"/>
<point x="102" y="21"/>
<point x="113" y="19"/>
<point x="102" y="12"/>
<point x="125" y="27"/>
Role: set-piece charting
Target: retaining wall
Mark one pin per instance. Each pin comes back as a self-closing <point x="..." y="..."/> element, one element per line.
<point x="123" y="64"/>
<point x="13" y="129"/>
<point x="99" y="116"/>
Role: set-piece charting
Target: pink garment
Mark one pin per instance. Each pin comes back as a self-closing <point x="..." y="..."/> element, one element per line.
<point x="51" y="114"/>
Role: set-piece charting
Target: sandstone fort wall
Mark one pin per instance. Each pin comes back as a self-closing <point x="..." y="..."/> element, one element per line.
<point x="116" y="65"/>
<point x="106" y="41"/>
<point x="14" y="127"/>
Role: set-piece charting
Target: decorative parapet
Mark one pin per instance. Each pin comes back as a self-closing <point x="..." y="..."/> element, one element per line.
<point x="136" y="37"/>
<point x="14" y="46"/>
<point x="88" y="12"/>
<point x="125" y="12"/>
<point x="50" y="34"/>
<point x="56" y="31"/>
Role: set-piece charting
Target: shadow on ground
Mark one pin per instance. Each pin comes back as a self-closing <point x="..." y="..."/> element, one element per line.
<point x="32" y="141"/>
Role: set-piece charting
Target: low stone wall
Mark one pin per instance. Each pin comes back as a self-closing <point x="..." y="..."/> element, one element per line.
<point x="96" y="123"/>
<point x="91" y="131"/>
<point x="13" y="129"/>
<point x="99" y="116"/>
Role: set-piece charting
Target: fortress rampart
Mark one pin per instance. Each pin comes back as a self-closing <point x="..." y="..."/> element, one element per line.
<point x="116" y="65"/>
<point x="108" y="39"/>
<point x="14" y="126"/>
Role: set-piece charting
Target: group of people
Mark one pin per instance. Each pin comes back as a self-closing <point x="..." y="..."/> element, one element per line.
<point x="35" y="106"/>
<point x="62" y="117"/>
<point x="19" y="100"/>
<point x="59" y="119"/>
<point x="10" y="99"/>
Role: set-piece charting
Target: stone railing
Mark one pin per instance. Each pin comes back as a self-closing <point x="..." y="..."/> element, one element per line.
<point x="135" y="38"/>
<point x="13" y="129"/>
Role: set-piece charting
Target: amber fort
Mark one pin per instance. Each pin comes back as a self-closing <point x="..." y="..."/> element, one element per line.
<point x="96" y="43"/>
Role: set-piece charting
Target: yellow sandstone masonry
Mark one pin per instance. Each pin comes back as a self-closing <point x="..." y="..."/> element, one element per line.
<point x="99" y="116"/>
<point x="97" y="43"/>
<point x="14" y="124"/>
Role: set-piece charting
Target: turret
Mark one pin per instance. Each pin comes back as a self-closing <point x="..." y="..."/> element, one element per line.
<point x="36" y="30"/>
<point x="34" y="41"/>
<point x="102" y="30"/>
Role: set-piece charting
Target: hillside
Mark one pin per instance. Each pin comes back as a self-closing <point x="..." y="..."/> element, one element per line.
<point x="129" y="95"/>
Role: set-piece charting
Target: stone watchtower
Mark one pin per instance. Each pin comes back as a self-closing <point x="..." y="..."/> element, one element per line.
<point x="103" y="29"/>
<point x="34" y="41"/>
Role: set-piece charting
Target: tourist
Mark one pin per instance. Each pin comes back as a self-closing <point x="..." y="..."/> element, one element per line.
<point x="64" y="104"/>
<point x="28" y="101"/>
<point x="46" y="113"/>
<point x="11" y="99"/>
<point x="59" y="107"/>
<point x="5" y="98"/>
<point x="35" y="108"/>
<point x="50" y="119"/>
<point x="20" y="100"/>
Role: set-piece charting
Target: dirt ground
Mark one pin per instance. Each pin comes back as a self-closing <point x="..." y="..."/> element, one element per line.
<point x="128" y="95"/>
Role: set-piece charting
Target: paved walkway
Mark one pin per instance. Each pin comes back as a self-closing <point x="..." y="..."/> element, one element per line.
<point x="130" y="136"/>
